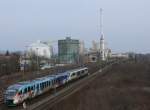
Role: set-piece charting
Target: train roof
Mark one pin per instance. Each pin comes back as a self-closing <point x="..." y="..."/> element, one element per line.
<point x="14" y="87"/>
<point x="44" y="78"/>
<point x="25" y="82"/>
<point x="60" y="74"/>
<point x="77" y="69"/>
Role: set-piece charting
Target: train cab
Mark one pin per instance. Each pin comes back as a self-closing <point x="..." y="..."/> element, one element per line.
<point x="19" y="92"/>
<point x="11" y="95"/>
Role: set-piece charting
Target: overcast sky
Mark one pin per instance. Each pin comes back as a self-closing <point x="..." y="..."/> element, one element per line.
<point x="126" y="22"/>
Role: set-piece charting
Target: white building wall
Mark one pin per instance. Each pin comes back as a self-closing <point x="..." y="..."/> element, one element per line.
<point x="102" y="47"/>
<point x="81" y="48"/>
<point x="39" y="49"/>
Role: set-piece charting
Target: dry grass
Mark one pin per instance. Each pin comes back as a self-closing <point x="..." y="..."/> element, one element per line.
<point x="124" y="87"/>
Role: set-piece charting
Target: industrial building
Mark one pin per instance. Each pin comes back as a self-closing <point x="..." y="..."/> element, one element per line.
<point x="68" y="51"/>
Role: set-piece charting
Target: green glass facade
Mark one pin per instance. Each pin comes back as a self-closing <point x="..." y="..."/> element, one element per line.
<point x="68" y="50"/>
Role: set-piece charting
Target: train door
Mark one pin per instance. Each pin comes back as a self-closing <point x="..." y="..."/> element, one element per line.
<point x="37" y="88"/>
<point x="53" y="83"/>
<point x="20" y="96"/>
<point x="78" y="74"/>
<point x="25" y="93"/>
<point x="73" y="75"/>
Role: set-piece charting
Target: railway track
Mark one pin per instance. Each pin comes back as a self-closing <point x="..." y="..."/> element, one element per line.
<point x="50" y="100"/>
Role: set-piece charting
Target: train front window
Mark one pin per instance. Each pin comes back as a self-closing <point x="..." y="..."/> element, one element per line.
<point x="11" y="93"/>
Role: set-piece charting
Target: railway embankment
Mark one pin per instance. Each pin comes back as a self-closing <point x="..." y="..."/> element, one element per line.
<point x="126" y="86"/>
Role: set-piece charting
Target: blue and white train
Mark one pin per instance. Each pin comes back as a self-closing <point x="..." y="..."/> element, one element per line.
<point x="18" y="93"/>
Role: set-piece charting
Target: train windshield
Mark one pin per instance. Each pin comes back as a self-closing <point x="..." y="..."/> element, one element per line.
<point x="10" y="93"/>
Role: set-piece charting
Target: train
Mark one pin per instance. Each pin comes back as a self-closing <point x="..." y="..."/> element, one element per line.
<point x="18" y="93"/>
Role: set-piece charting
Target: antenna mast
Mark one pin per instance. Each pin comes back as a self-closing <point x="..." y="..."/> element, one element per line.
<point x="102" y="42"/>
<point x="101" y="21"/>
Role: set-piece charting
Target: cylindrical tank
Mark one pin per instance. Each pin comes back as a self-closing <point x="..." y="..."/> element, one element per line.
<point x="40" y="49"/>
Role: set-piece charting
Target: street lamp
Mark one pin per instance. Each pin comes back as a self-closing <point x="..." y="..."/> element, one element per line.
<point x="55" y="85"/>
<point x="24" y="61"/>
<point x="37" y="61"/>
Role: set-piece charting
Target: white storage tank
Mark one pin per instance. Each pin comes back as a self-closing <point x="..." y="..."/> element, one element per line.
<point x="40" y="49"/>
